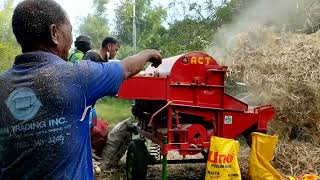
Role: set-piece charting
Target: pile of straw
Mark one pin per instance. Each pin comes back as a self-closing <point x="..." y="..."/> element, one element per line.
<point x="312" y="12"/>
<point x="281" y="69"/>
<point x="296" y="158"/>
<point x="243" y="159"/>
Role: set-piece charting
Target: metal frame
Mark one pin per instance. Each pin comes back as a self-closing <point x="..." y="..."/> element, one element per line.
<point x="194" y="86"/>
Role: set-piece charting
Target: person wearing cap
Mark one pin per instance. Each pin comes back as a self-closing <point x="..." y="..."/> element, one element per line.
<point x="82" y="45"/>
<point x="109" y="49"/>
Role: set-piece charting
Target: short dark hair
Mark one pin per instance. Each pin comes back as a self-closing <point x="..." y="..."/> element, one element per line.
<point x="109" y="40"/>
<point x="31" y="22"/>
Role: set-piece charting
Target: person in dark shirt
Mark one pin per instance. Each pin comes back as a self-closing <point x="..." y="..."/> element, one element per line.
<point x="109" y="49"/>
<point x="44" y="100"/>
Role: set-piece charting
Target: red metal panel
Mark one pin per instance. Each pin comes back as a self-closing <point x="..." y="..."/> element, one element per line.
<point x="216" y="75"/>
<point x="192" y="68"/>
<point x="197" y="80"/>
<point x="148" y="88"/>
<point x="206" y="114"/>
<point x="235" y="123"/>
<point x="210" y="97"/>
<point x="183" y="94"/>
<point x="265" y="114"/>
<point x="170" y="134"/>
<point x="231" y="103"/>
<point x="197" y="95"/>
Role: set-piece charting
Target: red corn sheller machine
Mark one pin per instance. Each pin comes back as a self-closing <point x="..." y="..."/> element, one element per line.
<point x="181" y="104"/>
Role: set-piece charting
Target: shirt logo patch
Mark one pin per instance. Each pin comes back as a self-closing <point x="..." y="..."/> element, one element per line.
<point x="23" y="104"/>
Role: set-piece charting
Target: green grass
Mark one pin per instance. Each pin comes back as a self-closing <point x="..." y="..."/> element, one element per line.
<point x="113" y="110"/>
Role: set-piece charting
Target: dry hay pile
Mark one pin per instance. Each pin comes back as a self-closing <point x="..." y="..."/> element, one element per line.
<point x="295" y="158"/>
<point x="312" y="12"/>
<point x="282" y="69"/>
<point x="243" y="159"/>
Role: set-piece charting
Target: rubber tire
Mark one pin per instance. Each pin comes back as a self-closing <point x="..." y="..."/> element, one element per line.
<point x="137" y="160"/>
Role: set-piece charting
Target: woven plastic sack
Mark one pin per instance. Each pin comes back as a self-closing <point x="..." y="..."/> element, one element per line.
<point x="99" y="135"/>
<point x="223" y="159"/>
<point x="262" y="151"/>
<point x="117" y="144"/>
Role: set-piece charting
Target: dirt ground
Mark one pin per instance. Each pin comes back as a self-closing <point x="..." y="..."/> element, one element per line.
<point x="175" y="172"/>
<point x="292" y="158"/>
<point x="194" y="171"/>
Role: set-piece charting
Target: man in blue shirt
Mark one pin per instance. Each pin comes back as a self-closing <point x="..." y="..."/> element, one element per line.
<point x="44" y="128"/>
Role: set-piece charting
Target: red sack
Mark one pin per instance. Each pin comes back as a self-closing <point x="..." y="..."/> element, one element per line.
<point x="99" y="135"/>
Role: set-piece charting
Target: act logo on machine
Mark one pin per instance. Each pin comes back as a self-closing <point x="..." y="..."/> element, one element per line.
<point x="200" y="60"/>
<point x="23" y="104"/>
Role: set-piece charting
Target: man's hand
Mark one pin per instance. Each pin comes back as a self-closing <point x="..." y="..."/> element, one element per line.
<point x="154" y="57"/>
<point x="134" y="64"/>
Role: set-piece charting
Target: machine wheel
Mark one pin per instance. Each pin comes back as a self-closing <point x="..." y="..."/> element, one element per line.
<point x="137" y="160"/>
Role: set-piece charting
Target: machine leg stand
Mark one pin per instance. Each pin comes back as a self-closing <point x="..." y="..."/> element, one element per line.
<point x="164" y="160"/>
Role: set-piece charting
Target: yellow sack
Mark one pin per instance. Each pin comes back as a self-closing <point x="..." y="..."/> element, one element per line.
<point x="223" y="159"/>
<point x="305" y="177"/>
<point x="290" y="178"/>
<point x="310" y="177"/>
<point x="262" y="150"/>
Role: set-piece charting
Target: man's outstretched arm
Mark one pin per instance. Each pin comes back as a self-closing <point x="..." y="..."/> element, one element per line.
<point x="134" y="64"/>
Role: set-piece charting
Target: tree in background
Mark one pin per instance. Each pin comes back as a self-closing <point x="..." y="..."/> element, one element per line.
<point x="148" y="22"/>
<point x="192" y="29"/>
<point x="200" y="21"/>
<point x="9" y="48"/>
<point x="186" y="35"/>
<point x="95" y="25"/>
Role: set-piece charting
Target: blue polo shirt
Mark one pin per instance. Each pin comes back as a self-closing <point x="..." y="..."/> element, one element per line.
<point x="44" y="128"/>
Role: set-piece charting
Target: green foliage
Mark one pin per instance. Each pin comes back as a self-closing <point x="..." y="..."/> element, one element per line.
<point x="148" y="22"/>
<point x="152" y="24"/>
<point x="124" y="51"/>
<point x="193" y="33"/>
<point x="100" y="7"/>
<point x="8" y="45"/>
<point x="225" y="13"/>
<point x="113" y="110"/>
<point x="96" y="28"/>
<point x="7" y="55"/>
<point x="185" y="36"/>
<point x="196" y="30"/>
<point x="96" y="25"/>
